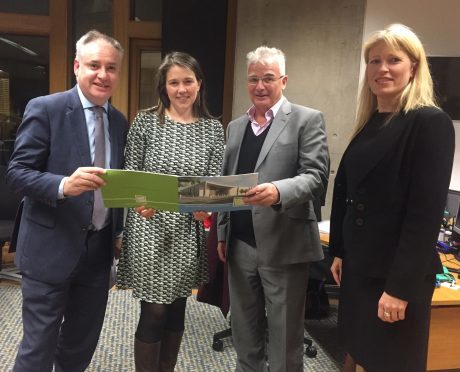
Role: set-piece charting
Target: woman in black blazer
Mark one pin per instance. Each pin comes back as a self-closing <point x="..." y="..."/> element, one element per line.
<point x="389" y="195"/>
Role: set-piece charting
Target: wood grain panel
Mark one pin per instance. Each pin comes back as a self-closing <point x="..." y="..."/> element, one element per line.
<point x="60" y="49"/>
<point x="24" y="24"/>
<point x="444" y="342"/>
<point x="121" y="12"/>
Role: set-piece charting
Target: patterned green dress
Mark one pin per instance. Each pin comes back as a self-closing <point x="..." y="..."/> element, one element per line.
<point x="164" y="257"/>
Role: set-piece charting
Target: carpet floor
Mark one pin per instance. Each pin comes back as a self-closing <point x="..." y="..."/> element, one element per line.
<point x="115" y="349"/>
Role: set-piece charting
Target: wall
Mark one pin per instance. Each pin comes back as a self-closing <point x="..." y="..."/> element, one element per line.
<point x="322" y="43"/>
<point x="435" y="21"/>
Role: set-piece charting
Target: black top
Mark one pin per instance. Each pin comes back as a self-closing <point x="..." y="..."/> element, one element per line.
<point x="389" y="197"/>
<point x="241" y="221"/>
<point x="360" y="149"/>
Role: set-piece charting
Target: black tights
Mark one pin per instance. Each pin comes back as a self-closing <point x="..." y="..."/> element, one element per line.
<point x="155" y="318"/>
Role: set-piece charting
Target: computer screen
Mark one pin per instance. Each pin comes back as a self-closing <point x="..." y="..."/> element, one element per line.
<point x="444" y="71"/>
<point x="452" y="202"/>
<point x="457" y="221"/>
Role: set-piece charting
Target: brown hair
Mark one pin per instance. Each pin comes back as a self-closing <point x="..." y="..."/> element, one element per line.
<point x="184" y="60"/>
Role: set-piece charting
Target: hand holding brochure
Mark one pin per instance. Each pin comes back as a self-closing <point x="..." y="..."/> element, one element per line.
<point x="182" y="194"/>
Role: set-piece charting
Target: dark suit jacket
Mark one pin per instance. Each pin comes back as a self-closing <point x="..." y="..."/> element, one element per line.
<point x="51" y="143"/>
<point x="215" y="291"/>
<point x="295" y="158"/>
<point x="396" y="203"/>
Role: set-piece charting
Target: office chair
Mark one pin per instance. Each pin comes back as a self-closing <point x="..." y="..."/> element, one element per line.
<point x="9" y="202"/>
<point x="218" y="344"/>
<point x="216" y="291"/>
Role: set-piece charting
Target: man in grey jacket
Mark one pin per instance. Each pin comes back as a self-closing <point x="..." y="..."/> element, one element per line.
<point x="268" y="248"/>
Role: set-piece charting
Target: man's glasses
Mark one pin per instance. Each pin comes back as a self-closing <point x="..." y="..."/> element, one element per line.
<point x="266" y="80"/>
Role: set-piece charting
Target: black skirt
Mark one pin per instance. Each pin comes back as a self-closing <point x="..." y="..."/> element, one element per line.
<point x="376" y="345"/>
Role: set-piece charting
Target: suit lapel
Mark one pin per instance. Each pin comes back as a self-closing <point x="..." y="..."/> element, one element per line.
<point x="114" y="140"/>
<point x="277" y="126"/>
<point x="240" y="129"/>
<point x="384" y="142"/>
<point x="77" y="120"/>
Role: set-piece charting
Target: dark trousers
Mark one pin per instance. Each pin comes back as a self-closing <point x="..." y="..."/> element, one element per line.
<point x="62" y="322"/>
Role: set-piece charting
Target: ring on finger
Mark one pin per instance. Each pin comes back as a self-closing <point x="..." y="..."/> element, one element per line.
<point x="386" y="314"/>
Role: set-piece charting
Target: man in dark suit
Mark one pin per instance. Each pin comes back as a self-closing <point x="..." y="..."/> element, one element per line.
<point x="270" y="247"/>
<point x="66" y="238"/>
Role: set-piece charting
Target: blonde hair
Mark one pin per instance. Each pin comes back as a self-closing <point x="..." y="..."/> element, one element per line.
<point x="419" y="90"/>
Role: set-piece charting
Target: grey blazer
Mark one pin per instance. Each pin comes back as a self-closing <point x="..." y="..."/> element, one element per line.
<point x="295" y="158"/>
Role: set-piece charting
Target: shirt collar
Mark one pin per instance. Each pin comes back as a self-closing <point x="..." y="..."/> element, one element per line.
<point x="269" y="115"/>
<point x="86" y="103"/>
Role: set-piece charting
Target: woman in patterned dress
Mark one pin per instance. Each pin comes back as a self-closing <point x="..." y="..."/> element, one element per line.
<point x="163" y="253"/>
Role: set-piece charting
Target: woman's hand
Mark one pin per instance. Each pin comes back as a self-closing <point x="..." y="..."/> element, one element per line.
<point x="145" y="212"/>
<point x="117" y="248"/>
<point x="200" y="215"/>
<point x="391" y="309"/>
<point x="336" y="269"/>
<point x="222" y="251"/>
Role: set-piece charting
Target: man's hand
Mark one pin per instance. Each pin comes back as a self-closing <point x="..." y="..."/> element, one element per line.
<point x="82" y="180"/>
<point x="222" y="251"/>
<point x="265" y="194"/>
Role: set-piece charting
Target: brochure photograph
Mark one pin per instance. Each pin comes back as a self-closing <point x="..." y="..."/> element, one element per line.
<point x="126" y="189"/>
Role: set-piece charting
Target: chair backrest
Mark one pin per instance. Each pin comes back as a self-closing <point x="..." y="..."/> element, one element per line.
<point x="9" y="200"/>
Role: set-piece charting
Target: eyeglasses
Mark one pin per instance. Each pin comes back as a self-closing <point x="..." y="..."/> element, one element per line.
<point x="266" y="80"/>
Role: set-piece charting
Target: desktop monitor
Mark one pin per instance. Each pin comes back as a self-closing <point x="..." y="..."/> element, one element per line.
<point x="446" y="79"/>
<point x="456" y="234"/>
<point x="457" y="221"/>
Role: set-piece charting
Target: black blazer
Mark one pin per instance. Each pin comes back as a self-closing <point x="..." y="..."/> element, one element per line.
<point x="395" y="203"/>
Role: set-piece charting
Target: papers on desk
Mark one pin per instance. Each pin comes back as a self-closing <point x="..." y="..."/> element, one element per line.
<point x="324" y="226"/>
<point x="452" y="286"/>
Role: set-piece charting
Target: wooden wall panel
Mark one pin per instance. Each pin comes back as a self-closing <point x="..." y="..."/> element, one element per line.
<point x="60" y="49"/>
<point x="24" y="24"/>
<point x="124" y="30"/>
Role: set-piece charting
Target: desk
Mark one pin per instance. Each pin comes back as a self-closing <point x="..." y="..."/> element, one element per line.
<point x="444" y="341"/>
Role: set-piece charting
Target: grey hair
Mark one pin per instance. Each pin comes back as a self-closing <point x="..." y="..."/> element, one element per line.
<point x="94" y="35"/>
<point x="264" y="54"/>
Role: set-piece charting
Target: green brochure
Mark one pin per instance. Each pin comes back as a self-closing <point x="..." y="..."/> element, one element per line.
<point x="126" y="188"/>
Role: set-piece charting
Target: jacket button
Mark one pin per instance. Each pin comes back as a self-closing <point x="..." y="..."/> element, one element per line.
<point x="359" y="221"/>
<point x="360" y="207"/>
